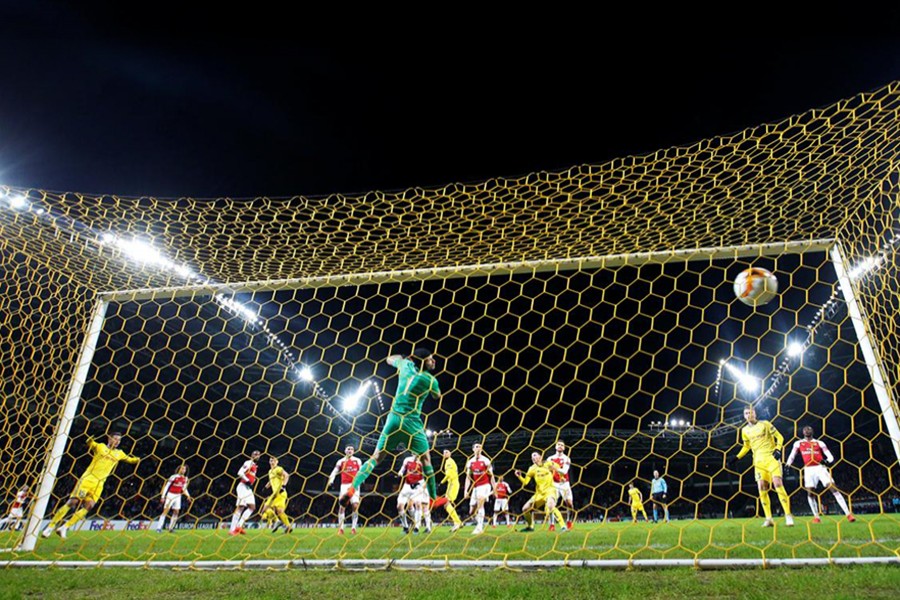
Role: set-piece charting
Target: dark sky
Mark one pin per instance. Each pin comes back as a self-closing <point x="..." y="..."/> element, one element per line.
<point x="87" y="106"/>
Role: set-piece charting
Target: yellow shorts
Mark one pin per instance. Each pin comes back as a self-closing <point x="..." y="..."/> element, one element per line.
<point x="540" y="500"/>
<point x="88" y="489"/>
<point x="277" y="500"/>
<point x="767" y="468"/>
<point x="452" y="491"/>
<point x="638" y="507"/>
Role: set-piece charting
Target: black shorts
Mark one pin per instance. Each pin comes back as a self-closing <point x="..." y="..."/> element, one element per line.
<point x="658" y="497"/>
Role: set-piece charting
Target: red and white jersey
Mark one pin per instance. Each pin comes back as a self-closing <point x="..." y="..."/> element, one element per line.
<point x="814" y="452"/>
<point x="480" y="470"/>
<point x="561" y="475"/>
<point x="176" y="484"/>
<point x="21" y="497"/>
<point x="247" y="474"/>
<point x="348" y="468"/>
<point x="503" y="490"/>
<point x="411" y="471"/>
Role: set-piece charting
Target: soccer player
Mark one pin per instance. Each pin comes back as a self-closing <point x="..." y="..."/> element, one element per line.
<point x="277" y="501"/>
<point x="16" y="511"/>
<point x="814" y="452"/>
<point x="348" y="467"/>
<point x="404" y="424"/>
<point x="561" y="481"/>
<point x="544" y="492"/>
<point x="501" y="501"/>
<point x="659" y="489"/>
<point x="637" y="503"/>
<point x="451" y="478"/>
<point x="246" y="502"/>
<point x="480" y="483"/>
<point x="411" y="473"/>
<point x="761" y="438"/>
<point x="90" y="486"/>
<point x="175" y="487"/>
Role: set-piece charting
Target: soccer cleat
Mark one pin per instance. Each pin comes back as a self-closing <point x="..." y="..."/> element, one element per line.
<point x="494" y="526"/>
<point x="61" y="532"/>
<point x="406" y="530"/>
<point x="428" y="530"/>
<point x="455" y="528"/>
<point x="788" y="520"/>
<point x="345" y="499"/>
<point x="568" y="524"/>
<point x="851" y="518"/>
<point x="527" y="530"/>
<point x="340" y="531"/>
<point x="159" y="530"/>
<point x="234" y="532"/>
<point x="353" y="530"/>
<point x="563" y="530"/>
<point x="816" y="520"/>
<point x="478" y="530"/>
<point x="416" y="531"/>
<point x="48" y="531"/>
<point x="241" y="530"/>
<point x="288" y="529"/>
<point x="552" y="527"/>
<point x="437" y="502"/>
<point x="768" y="523"/>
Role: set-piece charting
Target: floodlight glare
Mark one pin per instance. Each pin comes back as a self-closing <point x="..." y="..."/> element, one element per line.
<point x="795" y="349"/>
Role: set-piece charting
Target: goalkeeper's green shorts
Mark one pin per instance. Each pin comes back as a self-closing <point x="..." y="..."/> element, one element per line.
<point x="407" y="430"/>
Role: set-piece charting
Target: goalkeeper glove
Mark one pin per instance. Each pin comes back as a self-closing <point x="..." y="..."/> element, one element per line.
<point x="777" y="454"/>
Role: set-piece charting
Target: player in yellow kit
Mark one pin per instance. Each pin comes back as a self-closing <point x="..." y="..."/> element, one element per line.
<point x="277" y="500"/>
<point x="761" y="438"/>
<point x="90" y="486"/>
<point x="451" y="478"/>
<point x="544" y="493"/>
<point x="637" y="503"/>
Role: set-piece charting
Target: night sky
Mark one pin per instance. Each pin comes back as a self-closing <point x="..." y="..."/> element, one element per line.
<point x="86" y="106"/>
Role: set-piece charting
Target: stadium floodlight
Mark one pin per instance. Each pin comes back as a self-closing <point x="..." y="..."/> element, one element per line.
<point x="306" y="374"/>
<point x="17" y="201"/>
<point x="795" y="349"/>
<point x="352" y="401"/>
<point x="429" y="433"/>
<point x="236" y="307"/>
<point x="748" y="382"/>
<point x="864" y="266"/>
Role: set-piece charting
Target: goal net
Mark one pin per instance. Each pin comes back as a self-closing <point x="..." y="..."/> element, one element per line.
<point x="592" y="306"/>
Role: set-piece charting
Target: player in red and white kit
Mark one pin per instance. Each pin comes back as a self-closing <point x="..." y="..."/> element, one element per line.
<point x="561" y="481"/>
<point x="246" y="501"/>
<point x="175" y="488"/>
<point x="17" y="510"/>
<point x="501" y="501"/>
<point x="348" y="467"/>
<point x="480" y="483"/>
<point x="413" y="494"/>
<point x="814" y="453"/>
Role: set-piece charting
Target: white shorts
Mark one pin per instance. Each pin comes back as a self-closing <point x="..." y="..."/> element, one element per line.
<point x="173" y="501"/>
<point x="355" y="498"/>
<point x="482" y="492"/>
<point x="410" y="493"/>
<point x="245" y="495"/>
<point x="564" y="490"/>
<point x="501" y="504"/>
<point x="814" y="475"/>
<point x="16" y="513"/>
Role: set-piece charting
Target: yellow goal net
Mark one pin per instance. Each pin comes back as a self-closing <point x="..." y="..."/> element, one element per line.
<point x="592" y="307"/>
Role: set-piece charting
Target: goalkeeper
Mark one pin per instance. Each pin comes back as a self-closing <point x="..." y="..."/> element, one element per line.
<point x="404" y="422"/>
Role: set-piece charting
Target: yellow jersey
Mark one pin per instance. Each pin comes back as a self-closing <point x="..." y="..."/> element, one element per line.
<point x="636" y="497"/>
<point x="543" y="478"/>
<point x="762" y="439"/>
<point x="105" y="461"/>
<point x="277" y="479"/>
<point x="451" y="471"/>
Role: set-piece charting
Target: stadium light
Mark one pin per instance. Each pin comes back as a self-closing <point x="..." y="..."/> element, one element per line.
<point x="352" y="401"/>
<point x="306" y="374"/>
<point x="864" y="266"/>
<point x="17" y="201"/>
<point x="747" y="382"/>
<point x="795" y="349"/>
<point x="429" y="433"/>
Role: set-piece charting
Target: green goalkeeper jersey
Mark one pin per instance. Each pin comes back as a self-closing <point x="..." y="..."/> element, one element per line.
<point x="413" y="388"/>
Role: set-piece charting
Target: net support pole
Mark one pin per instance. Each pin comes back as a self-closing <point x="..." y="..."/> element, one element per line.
<point x="869" y="350"/>
<point x="69" y="410"/>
